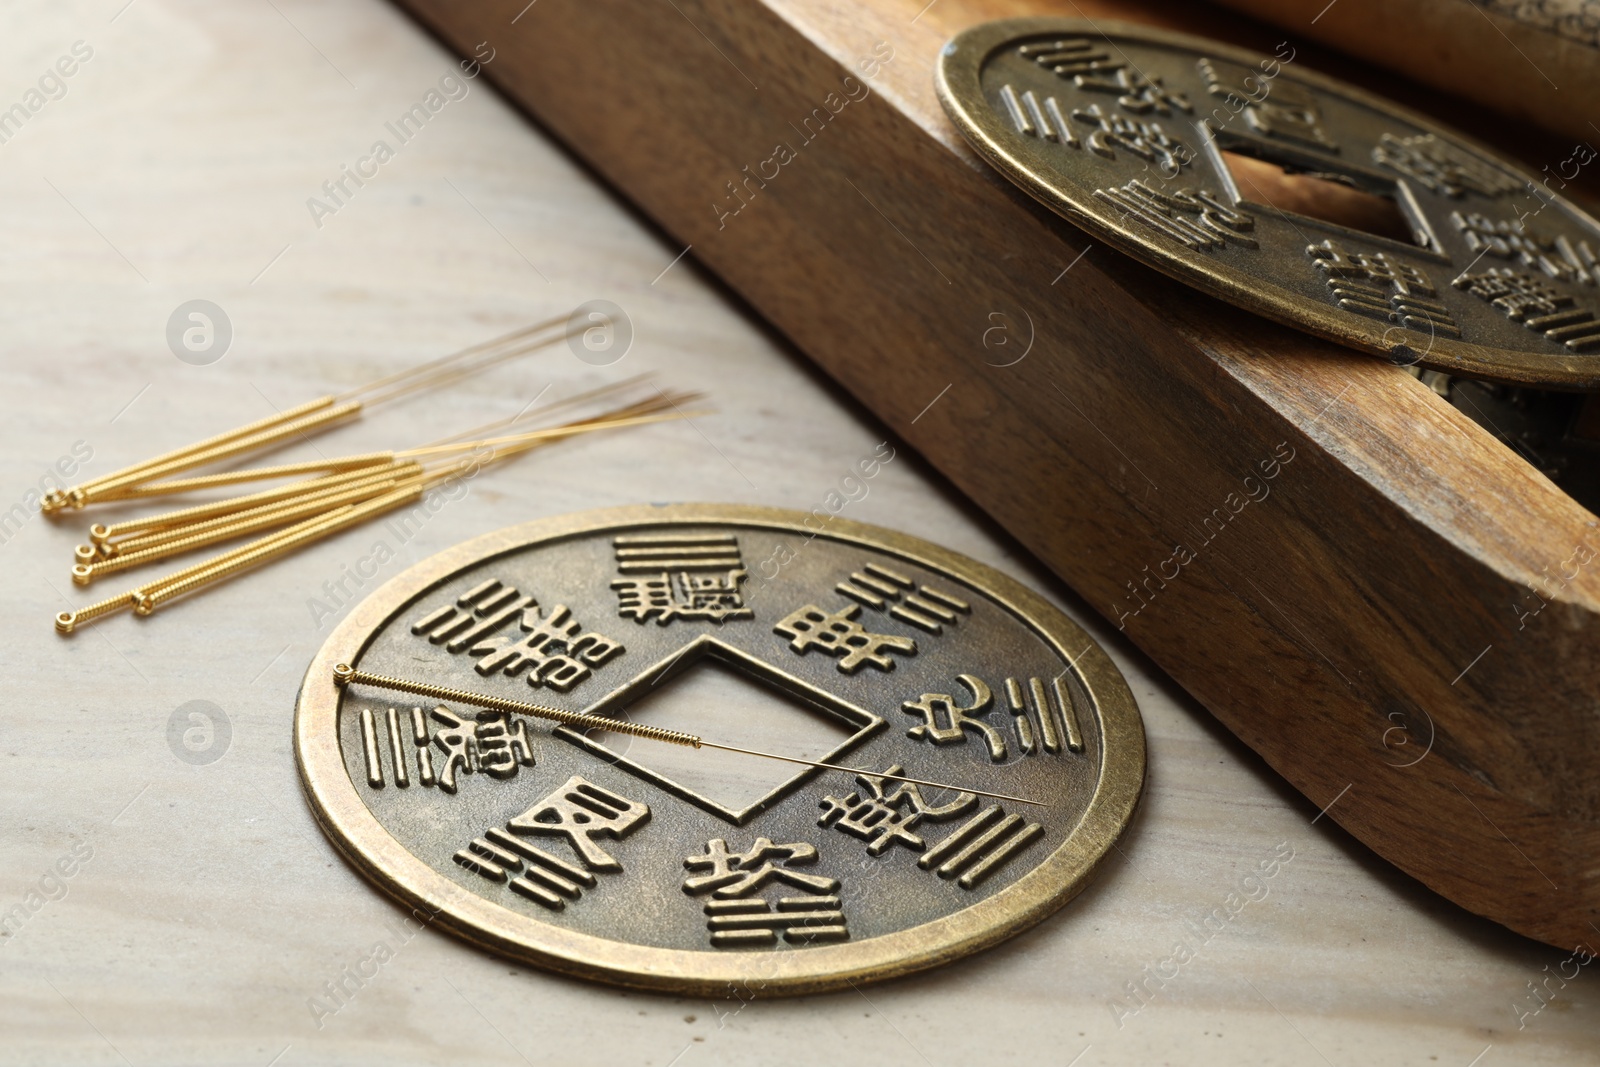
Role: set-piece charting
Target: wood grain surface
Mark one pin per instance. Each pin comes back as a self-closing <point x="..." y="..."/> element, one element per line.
<point x="210" y="910"/>
<point x="1524" y="62"/>
<point x="1378" y="604"/>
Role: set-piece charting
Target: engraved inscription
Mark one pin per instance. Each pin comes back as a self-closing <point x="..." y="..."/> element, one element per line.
<point x="679" y="576"/>
<point x="980" y="846"/>
<point x="1213" y="224"/>
<point x="1537" y="306"/>
<point x="476" y="614"/>
<point x="420" y="738"/>
<point x="883" y="588"/>
<point x="552" y="651"/>
<point x="1042" y="717"/>
<point x="1441" y="168"/>
<point x="369" y="748"/>
<point x="839" y="634"/>
<point x="1381" y="287"/>
<point x="580" y="811"/>
<point x="739" y="874"/>
<point x="1510" y="239"/>
<point x="1274" y="108"/>
<point x="804" y="920"/>
<point x="1147" y="140"/>
<point x="884" y="817"/>
<point x="737" y="916"/>
<point x="1091" y="68"/>
<point x="1135" y="92"/>
<point x="957" y="719"/>
<point x="489" y="743"/>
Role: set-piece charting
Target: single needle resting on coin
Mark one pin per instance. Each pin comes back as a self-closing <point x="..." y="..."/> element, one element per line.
<point x="344" y="675"/>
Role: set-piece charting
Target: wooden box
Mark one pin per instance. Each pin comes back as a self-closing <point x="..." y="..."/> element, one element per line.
<point x="1406" y="624"/>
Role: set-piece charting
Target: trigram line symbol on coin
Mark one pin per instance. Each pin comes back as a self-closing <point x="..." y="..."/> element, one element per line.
<point x="679" y="576"/>
<point x="1036" y="120"/>
<point x="980" y="846"/>
<point x="1031" y="704"/>
<point x="880" y="587"/>
<point x="526" y="870"/>
<point x="489" y="742"/>
<point x="453" y="625"/>
<point x="756" y="922"/>
<point x="1071" y="57"/>
<point x="1536" y="305"/>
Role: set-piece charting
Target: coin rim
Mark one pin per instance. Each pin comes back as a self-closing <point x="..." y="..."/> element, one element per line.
<point x="357" y="833"/>
<point x="957" y="80"/>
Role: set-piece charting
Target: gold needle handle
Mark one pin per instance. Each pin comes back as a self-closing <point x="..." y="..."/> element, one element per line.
<point x="441" y="371"/>
<point x="101" y="533"/>
<point x="344" y="674"/>
<point x="146" y="598"/>
<point x="271" y="514"/>
<point x="58" y="499"/>
<point x="68" y="621"/>
<point x="366" y="461"/>
<point x="315" y="421"/>
<point x="139" y="551"/>
<point x="266" y="549"/>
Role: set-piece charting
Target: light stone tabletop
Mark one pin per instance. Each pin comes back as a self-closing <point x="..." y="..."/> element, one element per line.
<point x="205" y="912"/>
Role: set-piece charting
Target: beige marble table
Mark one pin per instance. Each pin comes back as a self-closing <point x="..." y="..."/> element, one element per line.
<point x="204" y="908"/>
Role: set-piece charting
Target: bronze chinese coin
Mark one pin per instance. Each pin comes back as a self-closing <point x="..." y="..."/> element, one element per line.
<point x="1289" y="194"/>
<point x="984" y="753"/>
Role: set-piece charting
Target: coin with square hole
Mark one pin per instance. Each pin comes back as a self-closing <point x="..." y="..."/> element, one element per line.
<point x="592" y="743"/>
<point x="1287" y="193"/>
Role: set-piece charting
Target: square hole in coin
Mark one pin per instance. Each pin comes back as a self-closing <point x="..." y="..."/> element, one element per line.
<point x="1328" y="196"/>
<point x="721" y="704"/>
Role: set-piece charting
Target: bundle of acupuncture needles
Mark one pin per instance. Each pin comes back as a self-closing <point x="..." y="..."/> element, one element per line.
<point x="324" y="496"/>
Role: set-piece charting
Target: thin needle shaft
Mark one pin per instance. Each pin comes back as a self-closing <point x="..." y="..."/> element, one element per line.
<point x="235" y="434"/>
<point x="872" y="774"/>
<point x="344" y="675"/>
<point x="569" y="430"/>
<point x="101" y="533"/>
<point x="314" y="415"/>
<point x="250" y="474"/>
<point x="533" y="413"/>
<point x="433" y="366"/>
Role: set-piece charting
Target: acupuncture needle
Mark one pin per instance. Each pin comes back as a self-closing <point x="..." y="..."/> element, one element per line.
<point x="311" y="417"/>
<point x="148" y="597"/>
<point x="344" y="675"/>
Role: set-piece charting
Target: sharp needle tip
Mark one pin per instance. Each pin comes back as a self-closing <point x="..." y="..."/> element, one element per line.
<point x="871" y="774"/>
